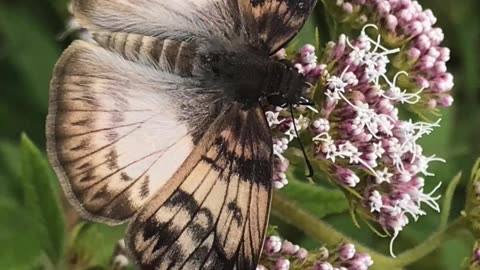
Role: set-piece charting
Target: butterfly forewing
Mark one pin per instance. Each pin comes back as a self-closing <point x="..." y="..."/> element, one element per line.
<point x="116" y="131"/>
<point x="265" y="25"/>
<point x="275" y="21"/>
<point x="213" y="213"/>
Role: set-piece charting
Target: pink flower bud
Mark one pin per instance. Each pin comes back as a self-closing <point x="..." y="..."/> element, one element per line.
<point x="308" y="48"/>
<point x="444" y="54"/>
<point x="429" y="14"/>
<point x="433" y="52"/>
<point x="289" y="248"/>
<point x="445" y="101"/>
<point x="384" y="8"/>
<point x="302" y="254"/>
<point x="341" y="45"/>
<point x="346" y="252"/>
<point x="405" y="15"/>
<point x="391" y="22"/>
<point x="414" y="28"/>
<point x="443" y="83"/>
<point x="427" y="62"/>
<point x="422" y="82"/>
<point x="347" y="8"/>
<point x="423" y="43"/>
<point x="272" y="245"/>
<point x="414" y="53"/>
<point x="282" y="264"/>
<point x="347" y="177"/>
<point x="440" y="67"/>
<point x="322" y="266"/>
<point x="436" y="36"/>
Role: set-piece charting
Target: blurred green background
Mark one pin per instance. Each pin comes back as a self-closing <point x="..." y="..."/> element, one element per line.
<point x="29" y="47"/>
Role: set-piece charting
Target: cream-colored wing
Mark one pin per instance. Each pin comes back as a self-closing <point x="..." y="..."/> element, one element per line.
<point x="166" y="18"/>
<point x="265" y="25"/>
<point x="117" y="130"/>
<point x="213" y="213"/>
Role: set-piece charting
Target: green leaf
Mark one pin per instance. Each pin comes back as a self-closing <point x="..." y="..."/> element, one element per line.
<point x="307" y="34"/>
<point x="317" y="200"/>
<point x="94" y="244"/>
<point x="19" y="235"/>
<point x="41" y="197"/>
<point x="10" y="171"/>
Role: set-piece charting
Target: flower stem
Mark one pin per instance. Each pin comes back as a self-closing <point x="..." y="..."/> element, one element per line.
<point x="285" y="209"/>
<point x="430" y="244"/>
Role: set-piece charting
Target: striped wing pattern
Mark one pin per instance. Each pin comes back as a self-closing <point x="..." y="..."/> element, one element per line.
<point x="270" y="24"/>
<point x="116" y="132"/>
<point x="213" y="213"/>
<point x="265" y="25"/>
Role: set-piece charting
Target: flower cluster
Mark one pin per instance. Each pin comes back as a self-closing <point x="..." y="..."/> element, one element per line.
<point x="406" y="22"/>
<point x="361" y="138"/>
<point x="283" y="255"/>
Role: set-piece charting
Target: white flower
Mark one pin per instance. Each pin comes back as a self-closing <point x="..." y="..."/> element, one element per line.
<point x="272" y="118"/>
<point x="383" y="176"/>
<point x="376" y="202"/>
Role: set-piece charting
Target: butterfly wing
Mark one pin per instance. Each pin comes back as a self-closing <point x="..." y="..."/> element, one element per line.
<point x="117" y="130"/>
<point x="213" y="213"/>
<point x="270" y="24"/>
<point x="265" y="25"/>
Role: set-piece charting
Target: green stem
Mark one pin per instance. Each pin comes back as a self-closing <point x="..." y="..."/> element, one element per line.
<point x="290" y="213"/>
<point x="285" y="209"/>
<point x="430" y="244"/>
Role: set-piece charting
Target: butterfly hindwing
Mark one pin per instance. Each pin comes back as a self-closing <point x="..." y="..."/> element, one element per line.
<point x="116" y="131"/>
<point x="213" y="213"/>
<point x="264" y="25"/>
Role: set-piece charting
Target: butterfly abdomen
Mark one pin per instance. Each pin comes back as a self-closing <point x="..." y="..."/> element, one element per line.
<point x="172" y="55"/>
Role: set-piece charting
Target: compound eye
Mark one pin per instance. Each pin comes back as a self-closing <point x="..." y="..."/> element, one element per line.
<point x="277" y="100"/>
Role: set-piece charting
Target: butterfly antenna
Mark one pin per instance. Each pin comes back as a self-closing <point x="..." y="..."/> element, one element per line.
<point x="309" y="165"/>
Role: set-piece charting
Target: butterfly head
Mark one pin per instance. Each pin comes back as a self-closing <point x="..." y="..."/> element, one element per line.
<point x="292" y="90"/>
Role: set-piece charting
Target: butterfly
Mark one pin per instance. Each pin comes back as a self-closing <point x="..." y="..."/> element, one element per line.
<point x="159" y="122"/>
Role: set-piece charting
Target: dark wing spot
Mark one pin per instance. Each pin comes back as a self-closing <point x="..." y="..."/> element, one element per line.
<point x="112" y="159"/>
<point x="112" y="135"/>
<point x="118" y="117"/>
<point x="84" y="166"/>
<point x="84" y="144"/>
<point x="199" y="232"/>
<point x="83" y="123"/>
<point x="144" y="189"/>
<point x="185" y="200"/>
<point x="101" y="193"/>
<point x="125" y="177"/>
<point x="88" y="176"/>
<point x="236" y="212"/>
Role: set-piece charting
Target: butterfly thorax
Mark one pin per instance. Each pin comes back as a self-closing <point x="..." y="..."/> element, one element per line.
<point x="251" y="76"/>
